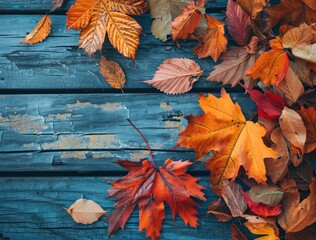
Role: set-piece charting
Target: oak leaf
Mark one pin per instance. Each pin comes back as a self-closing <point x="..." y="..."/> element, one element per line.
<point x="252" y="7"/>
<point x="269" y="104"/>
<point x="293" y="12"/>
<point x="56" y="4"/>
<point x="293" y="128"/>
<point x="268" y="195"/>
<point x="233" y="67"/>
<point x="188" y="21"/>
<point x="298" y="215"/>
<point x="113" y="73"/>
<point x="220" y="210"/>
<point x="308" y="116"/>
<point x="262" y="209"/>
<point x="40" y="32"/>
<point x="236" y="142"/>
<point x="85" y="211"/>
<point x="149" y="187"/>
<point x="176" y="75"/>
<point x="214" y="41"/>
<point x="232" y="195"/>
<point x="271" y="67"/>
<point x="238" y="23"/>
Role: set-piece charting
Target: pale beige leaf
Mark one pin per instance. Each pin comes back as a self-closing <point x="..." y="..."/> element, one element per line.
<point x="123" y="32"/>
<point x="85" y="211"/>
<point x="307" y="53"/>
<point x="92" y="36"/>
<point x="291" y="88"/>
<point x="40" y="32"/>
<point x="113" y="73"/>
<point x="232" y="195"/>
<point x="297" y="37"/>
<point x="300" y="69"/>
<point x="293" y="128"/>
<point x="176" y="75"/>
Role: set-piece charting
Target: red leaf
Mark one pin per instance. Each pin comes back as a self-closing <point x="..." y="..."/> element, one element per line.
<point x="262" y="209"/>
<point x="149" y="187"/>
<point x="269" y="105"/>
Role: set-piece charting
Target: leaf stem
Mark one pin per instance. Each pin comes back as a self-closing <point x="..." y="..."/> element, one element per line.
<point x="146" y="142"/>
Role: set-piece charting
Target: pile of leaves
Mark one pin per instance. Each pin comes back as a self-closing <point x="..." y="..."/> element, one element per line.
<point x="260" y="168"/>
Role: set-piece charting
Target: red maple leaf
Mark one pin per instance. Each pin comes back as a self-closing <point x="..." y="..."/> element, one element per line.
<point x="148" y="187"/>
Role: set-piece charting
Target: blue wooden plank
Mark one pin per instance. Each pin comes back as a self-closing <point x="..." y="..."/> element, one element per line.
<point x="32" y="208"/>
<point x="57" y="63"/>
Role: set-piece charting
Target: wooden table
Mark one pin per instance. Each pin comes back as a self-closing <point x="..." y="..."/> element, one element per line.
<point x="62" y="127"/>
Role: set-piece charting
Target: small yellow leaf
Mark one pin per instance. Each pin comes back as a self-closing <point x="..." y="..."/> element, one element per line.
<point x="85" y="211"/>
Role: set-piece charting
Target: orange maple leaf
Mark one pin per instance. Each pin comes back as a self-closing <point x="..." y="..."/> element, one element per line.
<point x="188" y="21"/>
<point x="149" y="187"/>
<point x="271" y="67"/>
<point x="236" y="142"/>
<point x="214" y="41"/>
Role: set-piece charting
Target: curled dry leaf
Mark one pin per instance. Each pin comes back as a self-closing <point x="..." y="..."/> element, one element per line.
<point x="268" y="195"/>
<point x="236" y="142"/>
<point x="293" y="128"/>
<point x="176" y="75"/>
<point x="238" y="23"/>
<point x="113" y="73"/>
<point x="252" y="7"/>
<point x="188" y="21"/>
<point x="40" y="32"/>
<point x="234" y="65"/>
<point x="298" y="215"/>
<point x="85" y="211"/>
<point x="148" y="187"/>
<point x="220" y="210"/>
<point x="271" y="67"/>
<point x="214" y="41"/>
<point x="232" y="194"/>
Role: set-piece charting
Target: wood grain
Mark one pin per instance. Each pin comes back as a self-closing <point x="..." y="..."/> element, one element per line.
<point x="33" y="209"/>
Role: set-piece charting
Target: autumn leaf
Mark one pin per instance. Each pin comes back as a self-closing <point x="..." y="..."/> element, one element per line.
<point x="56" y="4"/>
<point x="85" y="211"/>
<point x="236" y="142"/>
<point x="40" y="32"/>
<point x="220" y="210"/>
<point x="214" y="41"/>
<point x="232" y="194"/>
<point x="291" y="88"/>
<point x="297" y="37"/>
<point x="113" y="73"/>
<point x="164" y="12"/>
<point x="293" y="128"/>
<point x="238" y="23"/>
<point x="271" y="67"/>
<point x="188" y="21"/>
<point x="176" y="75"/>
<point x="278" y="167"/>
<point x="307" y="53"/>
<point x="269" y="105"/>
<point x="262" y="209"/>
<point x="233" y="67"/>
<point x="149" y="187"/>
<point x="252" y="7"/>
<point x="268" y="195"/>
<point x="293" y="12"/>
<point x="308" y="116"/>
<point x="236" y="233"/>
<point x="298" y="215"/>
<point x="262" y="229"/>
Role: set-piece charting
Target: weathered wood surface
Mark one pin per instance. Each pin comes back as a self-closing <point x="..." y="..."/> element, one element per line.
<point x="32" y="208"/>
<point x="57" y="63"/>
<point x="52" y="129"/>
<point x="16" y="6"/>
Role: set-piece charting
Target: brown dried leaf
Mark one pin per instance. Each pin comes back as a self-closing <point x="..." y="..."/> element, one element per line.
<point x="300" y="69"/>
<point x="85" y="211"/>
<point x="307" y="53"/>
<point x="293" y="128"/>
<point x="308" y="116"/>
<point x="252" y="7"/>
<point x="176" y="75"/>
<point x="220" y="210"/>
<point x="297" y="37"/>
<point x="234" y="199"/>
<point x="40" y="32"/>
<point x="236" y="233"/>
<point x="113" y="73"/>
